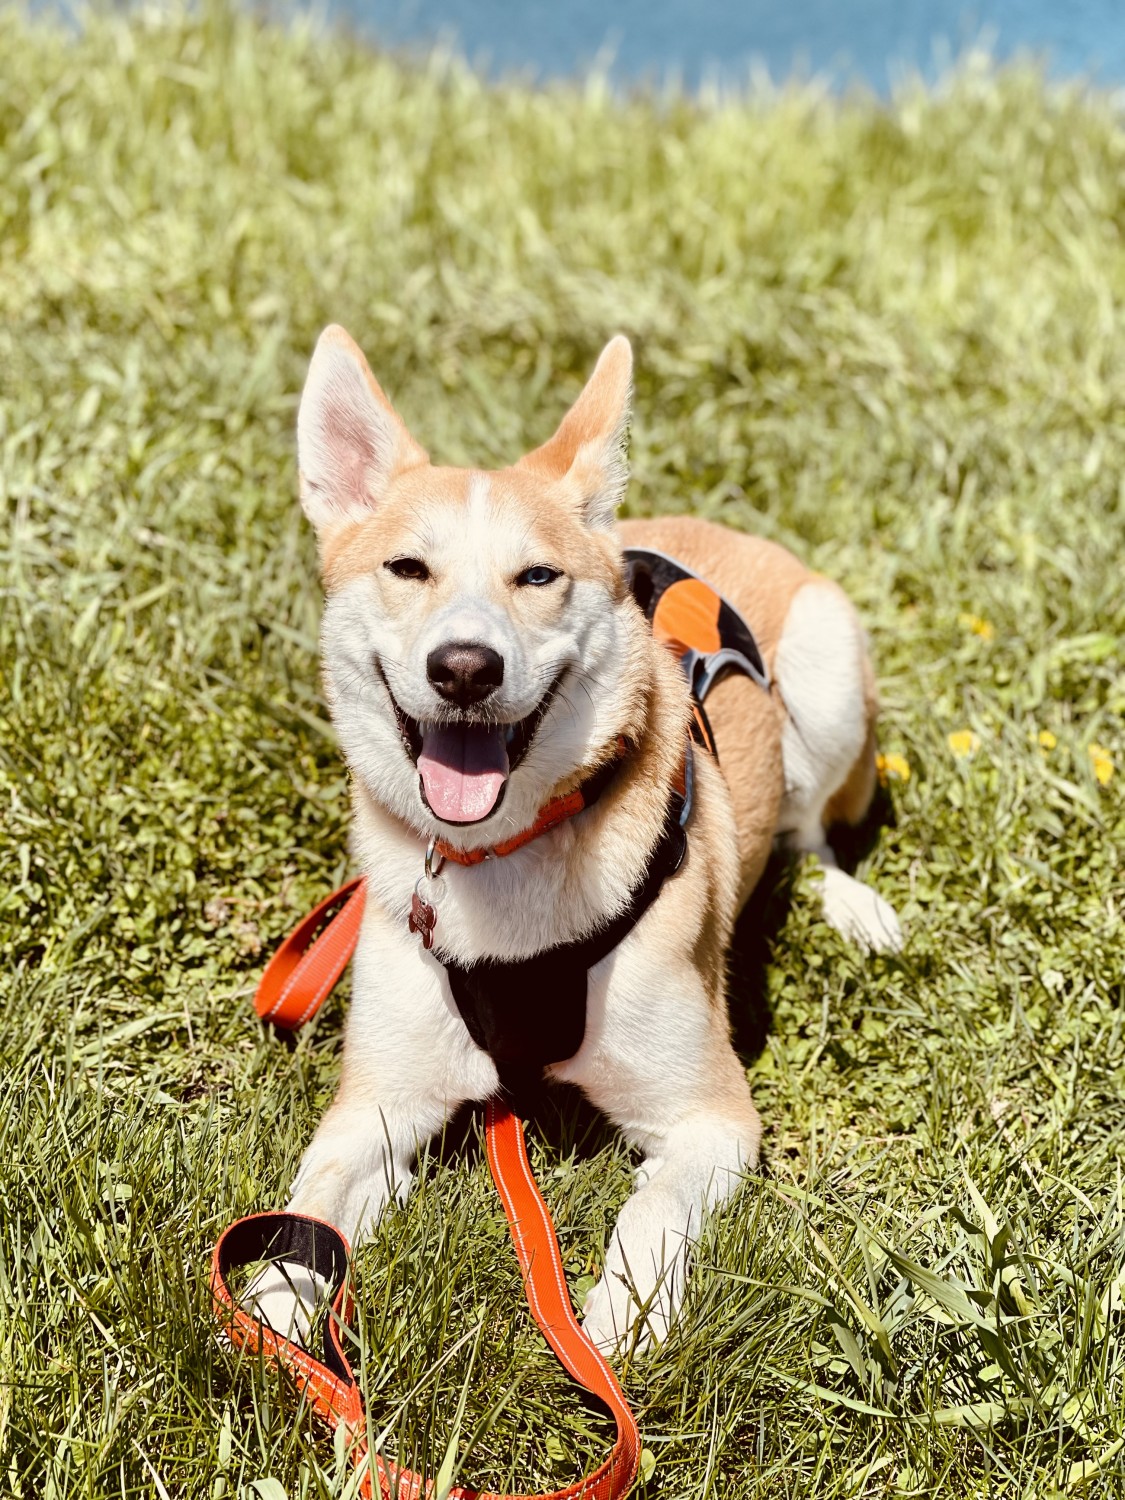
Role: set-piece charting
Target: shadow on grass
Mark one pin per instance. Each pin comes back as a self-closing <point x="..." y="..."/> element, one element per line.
<point x="850" y="845"/>
<point x="557" y="1113"/>
<point x="751" y="949"/>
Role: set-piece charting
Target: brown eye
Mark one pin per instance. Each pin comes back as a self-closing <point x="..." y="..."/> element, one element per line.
<point x="408" y="567"/>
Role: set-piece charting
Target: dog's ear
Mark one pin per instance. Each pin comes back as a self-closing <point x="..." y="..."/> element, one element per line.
<point x="350" y="439"/>
<point x="589" y="448"/>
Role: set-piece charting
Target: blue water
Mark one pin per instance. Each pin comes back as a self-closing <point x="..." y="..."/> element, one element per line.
<point x="870" y="41"/>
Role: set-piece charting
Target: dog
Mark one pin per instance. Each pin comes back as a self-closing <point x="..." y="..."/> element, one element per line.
<point x="483" y="659"/>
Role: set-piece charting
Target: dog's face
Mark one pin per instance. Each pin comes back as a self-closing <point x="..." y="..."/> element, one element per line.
<point x="477" y="631"/>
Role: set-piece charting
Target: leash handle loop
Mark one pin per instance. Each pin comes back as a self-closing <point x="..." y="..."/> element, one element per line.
<point x="294" y="985"/>
<point x="300" y="975"/>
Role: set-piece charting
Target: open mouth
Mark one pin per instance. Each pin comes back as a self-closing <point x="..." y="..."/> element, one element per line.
<point x="464" y="764"/>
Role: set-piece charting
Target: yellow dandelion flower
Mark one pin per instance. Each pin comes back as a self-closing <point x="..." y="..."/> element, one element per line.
<point x="1102" y="762"/>
<point x="978" y="626"/>
<point x="1047" y="739"/>
<point x="892" y="767"/>
<point x="963" y="742"/>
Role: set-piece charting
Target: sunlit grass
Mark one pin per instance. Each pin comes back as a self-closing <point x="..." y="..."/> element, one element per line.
<point x="889" y="337"/>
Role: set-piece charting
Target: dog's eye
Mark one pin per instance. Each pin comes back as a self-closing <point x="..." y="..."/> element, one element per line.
<point x="408" y="567"/>
<point x="537" y="576"/>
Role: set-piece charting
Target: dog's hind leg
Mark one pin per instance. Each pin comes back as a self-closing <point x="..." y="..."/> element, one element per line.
<point x="824" y="677"/>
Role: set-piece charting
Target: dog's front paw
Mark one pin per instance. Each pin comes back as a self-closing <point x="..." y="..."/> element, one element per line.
<point x="285" y="1296"/>
<point x="621" y="1318"/>
<point x="610" y="1315"/>
<point x="859" y="913"/>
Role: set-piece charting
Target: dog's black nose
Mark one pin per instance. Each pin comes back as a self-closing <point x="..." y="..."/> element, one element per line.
<point x="464" y="673"/>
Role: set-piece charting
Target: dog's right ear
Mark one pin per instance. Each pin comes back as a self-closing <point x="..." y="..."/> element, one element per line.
<point x="350" y="439"/>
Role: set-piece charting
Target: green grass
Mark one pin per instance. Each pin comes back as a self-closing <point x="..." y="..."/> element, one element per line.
<point x="890" y="337"/>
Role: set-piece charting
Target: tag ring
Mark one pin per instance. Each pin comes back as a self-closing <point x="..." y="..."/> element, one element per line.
<point x="432" y="870"/>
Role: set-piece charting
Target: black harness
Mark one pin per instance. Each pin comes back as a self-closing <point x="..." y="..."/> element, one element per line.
<point x="529" y="1012"/>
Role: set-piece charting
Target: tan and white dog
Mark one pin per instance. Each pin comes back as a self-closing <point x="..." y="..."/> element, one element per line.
<point x="482" y="654"/>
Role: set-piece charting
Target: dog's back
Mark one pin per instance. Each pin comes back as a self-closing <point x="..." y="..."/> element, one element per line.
<point x="802" y="757"/>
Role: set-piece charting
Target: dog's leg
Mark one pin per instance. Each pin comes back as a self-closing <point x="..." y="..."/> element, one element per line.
<point x="361" y="1157"/>
<point x="408" y="1064"/>
<point x="675" y="1088"/>
<point x="701" y="1162"/>
<point x="828" y="748"/>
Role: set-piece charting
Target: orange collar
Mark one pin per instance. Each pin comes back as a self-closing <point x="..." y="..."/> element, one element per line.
<point x="557" y="811"/>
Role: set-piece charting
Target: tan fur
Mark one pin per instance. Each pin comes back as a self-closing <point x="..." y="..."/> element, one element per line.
<point x="354" y="550"/>
<point x="587" y="452"/>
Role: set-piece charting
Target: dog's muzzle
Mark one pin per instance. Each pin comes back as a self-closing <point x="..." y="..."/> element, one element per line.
<point x="464" y="762"/>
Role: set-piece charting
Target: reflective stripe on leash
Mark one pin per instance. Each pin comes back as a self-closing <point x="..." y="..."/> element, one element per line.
<point x="296" y="982"/>
<point x="300" y="976"/>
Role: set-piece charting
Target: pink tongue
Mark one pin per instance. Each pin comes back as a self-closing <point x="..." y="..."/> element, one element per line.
<point x="463" y="767"/>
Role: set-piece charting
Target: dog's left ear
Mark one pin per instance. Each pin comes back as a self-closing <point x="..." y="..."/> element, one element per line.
<point x="588" y="450"/>
<point x="350" y="440"/>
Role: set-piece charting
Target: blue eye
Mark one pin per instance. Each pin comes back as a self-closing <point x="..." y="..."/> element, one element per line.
<point x="538" y="576"/>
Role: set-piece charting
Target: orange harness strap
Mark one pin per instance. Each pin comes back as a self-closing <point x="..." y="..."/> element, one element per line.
<point x="294" y="985"/>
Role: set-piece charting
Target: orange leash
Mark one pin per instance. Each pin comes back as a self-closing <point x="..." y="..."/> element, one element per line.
<point x="295" y="983"/>
<point x="299" y="977"/>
